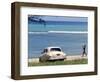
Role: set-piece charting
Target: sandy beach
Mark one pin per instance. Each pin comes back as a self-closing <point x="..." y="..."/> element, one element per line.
<point x="75" y="57"/>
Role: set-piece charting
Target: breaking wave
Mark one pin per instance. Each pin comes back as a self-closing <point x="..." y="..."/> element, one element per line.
<point x="72" y="32"/>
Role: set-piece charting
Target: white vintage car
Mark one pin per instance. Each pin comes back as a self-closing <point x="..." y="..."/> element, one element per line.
<point x="52" y="54"/>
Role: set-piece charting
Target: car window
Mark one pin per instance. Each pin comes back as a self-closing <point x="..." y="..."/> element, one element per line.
<point x="45" y="51"/>
<point x="55" y="49"/>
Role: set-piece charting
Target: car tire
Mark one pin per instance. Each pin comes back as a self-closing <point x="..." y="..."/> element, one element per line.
<point x="44" y="58"/>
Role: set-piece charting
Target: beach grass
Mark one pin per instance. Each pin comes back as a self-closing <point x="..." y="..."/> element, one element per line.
<point x="67" y="62"/>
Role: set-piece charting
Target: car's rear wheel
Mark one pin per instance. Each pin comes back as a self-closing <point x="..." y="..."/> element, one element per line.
<point x="44" y="58"/>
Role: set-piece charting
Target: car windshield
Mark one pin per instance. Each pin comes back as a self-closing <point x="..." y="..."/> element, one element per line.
<point x="55" y="49"/>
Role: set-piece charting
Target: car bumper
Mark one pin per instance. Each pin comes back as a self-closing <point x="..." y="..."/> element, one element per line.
<point x="57" y="58"/>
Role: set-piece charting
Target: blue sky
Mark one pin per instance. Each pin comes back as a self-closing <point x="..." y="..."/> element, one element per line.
<point x="62" y="18"/>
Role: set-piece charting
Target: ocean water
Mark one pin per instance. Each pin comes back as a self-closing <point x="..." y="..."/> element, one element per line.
<point x="71" y="43"/>
<point x="68" y="26"/>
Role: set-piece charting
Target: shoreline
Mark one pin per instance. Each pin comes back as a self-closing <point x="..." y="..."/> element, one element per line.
<point x="75" y="57"/>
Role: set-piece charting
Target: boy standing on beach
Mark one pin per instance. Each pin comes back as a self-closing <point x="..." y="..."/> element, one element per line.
<point x="84" y="51"/>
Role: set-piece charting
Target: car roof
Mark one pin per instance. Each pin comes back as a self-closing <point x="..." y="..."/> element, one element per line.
<point x="52" y="47"/>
